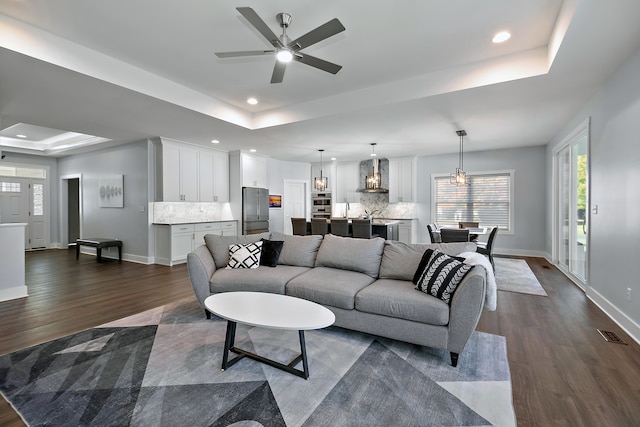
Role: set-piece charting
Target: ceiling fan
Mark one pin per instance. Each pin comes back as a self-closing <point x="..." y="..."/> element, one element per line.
<point x="286" y="49"/>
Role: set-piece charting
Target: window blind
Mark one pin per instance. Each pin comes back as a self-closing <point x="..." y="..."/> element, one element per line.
<point x="486" y="200"/>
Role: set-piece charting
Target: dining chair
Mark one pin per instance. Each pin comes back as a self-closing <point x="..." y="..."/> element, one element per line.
<point x="434" y="233"/>
<point x="449" y="235"/>
<point x="469" y="224"/>
<point x="319" y="226"/>
<point x="362" y="229"/>
<point x="340" y="227"/>
<point x="299" y="226"/>
<point x="487" y="248"/>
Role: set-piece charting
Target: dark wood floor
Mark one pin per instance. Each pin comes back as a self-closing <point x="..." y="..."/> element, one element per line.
<point x="563" y="372"/>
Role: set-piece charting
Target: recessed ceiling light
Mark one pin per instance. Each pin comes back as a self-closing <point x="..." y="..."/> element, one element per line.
<point x="501" y="37"/>
<point x="215" y="141"/>
<point x="252" y="101"/>
<point x="21" y="135"/>
<point x="333" y="159"/>
<point x="253" y="150"/>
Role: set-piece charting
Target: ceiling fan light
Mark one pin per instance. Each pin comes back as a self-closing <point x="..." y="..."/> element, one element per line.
<point x="284" y="55"/>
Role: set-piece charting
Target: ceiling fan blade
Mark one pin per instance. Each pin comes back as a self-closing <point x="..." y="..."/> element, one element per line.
<point x="253" y="18"/>
<point x="278" y="72"/>
<point x="243" y="53"/>
<point x="324" y="31"/>
<point x="321" y="64"/>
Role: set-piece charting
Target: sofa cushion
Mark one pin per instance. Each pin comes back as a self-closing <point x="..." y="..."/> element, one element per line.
<point x="400" y="260"/>
<point x="245" y="256"/>
<point x="298" y="250"/>
<point x="328" y="286"/>
<point x="219" y="245"/>
<point x="440" y="274"/>
<point x="261" y="279"/>
<point x="361" y="255"/>
<point x="270" y="252"/>
<point x="399" y="298"/>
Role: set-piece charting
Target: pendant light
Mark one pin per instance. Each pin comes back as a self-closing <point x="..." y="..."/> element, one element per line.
<point x="460" y="177"/>
<point x="320" y="184"/>
<point x="374" y="181"/>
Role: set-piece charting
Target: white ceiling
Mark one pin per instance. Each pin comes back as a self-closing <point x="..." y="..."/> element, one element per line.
<point x="414" y="71"/>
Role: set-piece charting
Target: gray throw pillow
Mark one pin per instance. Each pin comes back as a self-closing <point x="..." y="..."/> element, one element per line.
<point x="346" y="253"/>
<point x="300" y="251"/>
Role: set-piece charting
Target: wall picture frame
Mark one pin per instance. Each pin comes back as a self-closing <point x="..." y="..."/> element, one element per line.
<point x="275" y="201"/>
<point x="111" y="191"/>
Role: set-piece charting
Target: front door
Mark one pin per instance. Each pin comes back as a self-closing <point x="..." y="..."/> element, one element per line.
<point x="14" y="203"/>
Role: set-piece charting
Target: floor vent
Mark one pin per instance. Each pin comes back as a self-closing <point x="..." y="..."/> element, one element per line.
<point x="547" y="267"/>
<point x="611" y="337"/>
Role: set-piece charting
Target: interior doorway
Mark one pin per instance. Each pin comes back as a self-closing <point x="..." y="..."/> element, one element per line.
<point x="294" y="202"/>
<point x="70" y="209"/>
<point x="571" y="213"/>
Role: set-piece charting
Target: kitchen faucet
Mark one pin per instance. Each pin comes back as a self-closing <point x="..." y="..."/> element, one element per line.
<point x="346" y="210"/>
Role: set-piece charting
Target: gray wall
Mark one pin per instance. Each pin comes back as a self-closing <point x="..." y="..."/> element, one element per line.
<point x="530" y="199"/>
<point x="129" y="224"/>
<point x="614" y="232"/>
<point x="277" y="172"/>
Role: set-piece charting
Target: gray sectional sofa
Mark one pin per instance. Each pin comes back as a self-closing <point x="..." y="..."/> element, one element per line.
<point x="366" y="283"/>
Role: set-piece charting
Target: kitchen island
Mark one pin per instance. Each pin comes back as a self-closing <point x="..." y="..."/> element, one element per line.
<point x="385" y="228"/>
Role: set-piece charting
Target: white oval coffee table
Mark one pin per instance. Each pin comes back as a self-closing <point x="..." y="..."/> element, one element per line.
<point x="268" y="311"/>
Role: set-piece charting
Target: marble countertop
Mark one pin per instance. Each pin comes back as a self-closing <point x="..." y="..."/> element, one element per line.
<point x="192" y="222"/>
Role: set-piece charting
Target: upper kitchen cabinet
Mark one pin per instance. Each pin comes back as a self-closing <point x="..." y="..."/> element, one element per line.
<point x="214" y="176"/>
<point x="402" y="186"/>
<point x="254" y="171"/>
<point x="247" y="170"/>
<point x="347" y="182"/>
<point x="179" y="173"/>
<point x="187" y="173"/>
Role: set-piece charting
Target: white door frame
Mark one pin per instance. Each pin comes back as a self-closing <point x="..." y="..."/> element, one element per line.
<point x="583" y="127"/>
<point x="64" y="206"/>
<point x="307" y="198"/>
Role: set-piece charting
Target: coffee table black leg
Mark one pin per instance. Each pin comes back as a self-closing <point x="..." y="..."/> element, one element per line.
<point x="303" y="353"/>
<point x="229" y="342"/>
<point x="99" y="253"/>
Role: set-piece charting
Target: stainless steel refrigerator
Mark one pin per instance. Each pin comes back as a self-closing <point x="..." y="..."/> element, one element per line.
<point x="255" y="210"/>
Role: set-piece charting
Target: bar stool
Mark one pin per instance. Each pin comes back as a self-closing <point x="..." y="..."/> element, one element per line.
<point x="319" y="226"/>
<point x="340" y="227"/>
<point x="299" y="226"/>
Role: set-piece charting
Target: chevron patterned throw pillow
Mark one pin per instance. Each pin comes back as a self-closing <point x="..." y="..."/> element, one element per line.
<point x="245" y="256"/>
<point x="439" y="274"/>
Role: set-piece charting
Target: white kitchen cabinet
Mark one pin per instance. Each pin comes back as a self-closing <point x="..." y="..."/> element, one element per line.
<point x="407" y="230"/>
<point x="174" y="242"/>
<point x="254" y="171"/>
<point x="402" y="180"/>
<point x="213" y="176"/>
<point x="347" y="182"/>
<point x="179" y="173"/>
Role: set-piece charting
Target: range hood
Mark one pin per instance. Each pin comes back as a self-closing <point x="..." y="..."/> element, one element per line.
<point x="374" y="176"/>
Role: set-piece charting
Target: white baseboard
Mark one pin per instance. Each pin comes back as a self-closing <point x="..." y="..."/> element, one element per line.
<point x="13" y="293"/>
<point x="519" y="252"/>
<point x="621" y="319"/>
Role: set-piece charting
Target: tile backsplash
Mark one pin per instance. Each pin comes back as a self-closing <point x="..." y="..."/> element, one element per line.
<point x="185" y="212"/>
<point x="378" y="202"/>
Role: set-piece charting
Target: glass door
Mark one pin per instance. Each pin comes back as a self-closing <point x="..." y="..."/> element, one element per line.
<point x="572" y="207"/>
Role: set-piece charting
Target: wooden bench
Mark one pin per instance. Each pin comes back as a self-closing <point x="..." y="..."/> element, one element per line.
<point x="99" y="243"/>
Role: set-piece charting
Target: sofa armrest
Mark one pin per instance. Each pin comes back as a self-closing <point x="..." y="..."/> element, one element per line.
<point x="201" y="267"/>
<point x="466" y="308"/>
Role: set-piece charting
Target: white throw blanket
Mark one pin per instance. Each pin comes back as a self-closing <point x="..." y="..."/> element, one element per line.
<point x="491" y="296"/>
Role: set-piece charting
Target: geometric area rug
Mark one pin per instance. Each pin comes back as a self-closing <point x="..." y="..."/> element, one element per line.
<point x="162" y="368"/>
<point x="515" y="275"/>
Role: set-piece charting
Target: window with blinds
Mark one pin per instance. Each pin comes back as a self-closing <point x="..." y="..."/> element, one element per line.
<point x="487" y="199"/>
